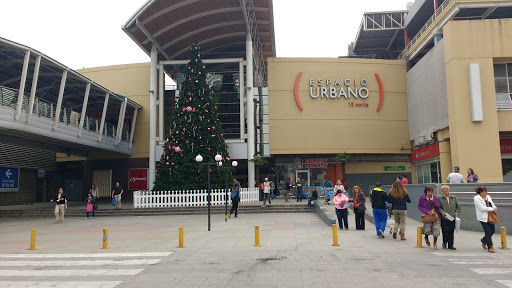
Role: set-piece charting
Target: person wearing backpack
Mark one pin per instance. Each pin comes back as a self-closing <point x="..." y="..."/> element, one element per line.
<point x="235" y="198"/>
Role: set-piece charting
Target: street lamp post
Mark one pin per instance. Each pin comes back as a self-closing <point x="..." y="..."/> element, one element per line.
<point x="199" y="159"/>
<point x="234" y="164"/>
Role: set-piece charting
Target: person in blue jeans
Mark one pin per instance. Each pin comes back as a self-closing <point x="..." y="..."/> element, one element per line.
<point x="380" y="215"/>
<point x="314" y="196"/>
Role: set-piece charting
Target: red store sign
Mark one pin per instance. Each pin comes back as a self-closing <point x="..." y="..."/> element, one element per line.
<point x="506" y="146"/>
<point x="138" y="179"/>
<point x="311" y="163"/>
<point x="429" y="151"/>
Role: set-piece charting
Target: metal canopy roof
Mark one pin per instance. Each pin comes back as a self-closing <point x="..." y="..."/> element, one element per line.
<point x="220" y="27"/>
<point x="12" y="56"/>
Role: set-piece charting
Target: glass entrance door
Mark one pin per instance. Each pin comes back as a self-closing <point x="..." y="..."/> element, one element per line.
<point x="303" y="175"/>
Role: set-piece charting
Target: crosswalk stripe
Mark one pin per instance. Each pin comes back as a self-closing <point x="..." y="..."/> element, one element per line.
<point x="507" y="283"/>
<point x="456" y="254"/>
<point x="60" y="284"/>
<point x="480" y="262"/>
<point x="61" y="273"/>
<point x="492" y="270"/>
<point x="89" y="255"/>
<point x="80" y="262"/>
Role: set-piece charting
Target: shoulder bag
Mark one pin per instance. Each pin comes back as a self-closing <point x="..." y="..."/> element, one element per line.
<point x="492" y="216"/>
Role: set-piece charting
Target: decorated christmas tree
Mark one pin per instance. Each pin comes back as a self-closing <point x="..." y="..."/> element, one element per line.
<point x="195" y="129"/>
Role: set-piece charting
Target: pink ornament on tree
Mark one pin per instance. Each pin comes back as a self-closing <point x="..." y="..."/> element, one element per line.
<point x="177" y="149"/>
<point x="189" y="109"/>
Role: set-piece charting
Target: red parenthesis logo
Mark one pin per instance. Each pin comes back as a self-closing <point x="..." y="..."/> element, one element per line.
<point x="381" y="90"/>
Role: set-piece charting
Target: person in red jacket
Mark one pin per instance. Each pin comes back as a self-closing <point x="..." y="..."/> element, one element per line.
<point x="404" y="180"/>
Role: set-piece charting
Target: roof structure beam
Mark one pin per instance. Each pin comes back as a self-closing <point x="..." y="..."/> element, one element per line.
<point x="34" y="88"/>
<point x="59" y="99"/>
<point x="392" y="40"/>
<point x="257" y="51"/>
<point x="204" y="41"/>
<point x="488" y="12"/>
<point x="151" y="38"/>
<point x="21" y="92"/>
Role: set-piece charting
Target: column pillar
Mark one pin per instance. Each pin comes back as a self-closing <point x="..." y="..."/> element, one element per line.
<point x="153" y="89"/>
<point x="23" y="80"/>
<point x="250" y="111"/>
<point x="34" y="88"/>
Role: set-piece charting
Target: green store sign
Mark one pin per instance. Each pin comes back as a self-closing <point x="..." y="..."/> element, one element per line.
<point x="394" y="168"/>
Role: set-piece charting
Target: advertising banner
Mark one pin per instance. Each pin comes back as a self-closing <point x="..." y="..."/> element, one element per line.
<point x="429" y="151"/>
<point x="138" y="179"/>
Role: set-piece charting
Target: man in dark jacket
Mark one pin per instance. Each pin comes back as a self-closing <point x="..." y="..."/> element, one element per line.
<point x="235" y="200"/>
<point x="379" y="197"/>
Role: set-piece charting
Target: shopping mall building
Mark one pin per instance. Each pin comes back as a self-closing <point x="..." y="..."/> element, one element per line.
<point x="421" y="90"/>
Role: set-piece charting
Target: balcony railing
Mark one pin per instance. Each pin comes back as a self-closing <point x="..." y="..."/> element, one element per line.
<point x="43" y="108"/>
<point x="423" y="29"/>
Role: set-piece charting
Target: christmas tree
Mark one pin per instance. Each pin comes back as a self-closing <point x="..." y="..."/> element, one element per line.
<point x="195" y="129"/>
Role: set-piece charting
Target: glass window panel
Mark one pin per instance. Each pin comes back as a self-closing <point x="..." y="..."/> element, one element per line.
<point x="426" y="174"/>
<point x="419" y="174"/>
<point x="509" y="66"/>
<point x="509" y="84"/>
<point x="500" y="70"/>
<point x="433" y="173"/>
<point x="501" y="85"/>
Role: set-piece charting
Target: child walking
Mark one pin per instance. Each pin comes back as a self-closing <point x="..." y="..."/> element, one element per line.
<point x="90" y="205"/>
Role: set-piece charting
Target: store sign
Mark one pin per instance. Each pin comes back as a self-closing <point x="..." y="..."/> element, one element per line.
<point x="394" y="168"/>
<point x="9" y="179"/>
<point x="340" y="88"/>
<point x="429" y="151"/>
<point x="138" y="179"/>
<point x="506" y="146"/>
<point x="311" y="163"/>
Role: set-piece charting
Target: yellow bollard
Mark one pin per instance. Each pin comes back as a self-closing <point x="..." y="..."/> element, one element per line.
<point x="503" y="238"/>
<point x="419" y="238"/>
<point x="334" y="236"/>
<point x="181" y="238"/>
<point x="105" y="238"/>
<point x="257" y="236"/>
<point x="33" y="240"/>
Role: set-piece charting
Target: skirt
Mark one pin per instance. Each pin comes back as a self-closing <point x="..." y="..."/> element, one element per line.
<point x="432" y="228"/>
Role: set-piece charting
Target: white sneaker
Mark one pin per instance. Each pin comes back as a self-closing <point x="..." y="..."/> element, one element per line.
<point x="86" y="218"/>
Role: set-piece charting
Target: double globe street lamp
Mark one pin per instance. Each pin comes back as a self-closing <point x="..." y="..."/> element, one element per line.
<point x="218" y="163"/>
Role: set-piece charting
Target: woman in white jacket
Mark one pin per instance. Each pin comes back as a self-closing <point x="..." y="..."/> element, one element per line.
<point x="483" y="205"/>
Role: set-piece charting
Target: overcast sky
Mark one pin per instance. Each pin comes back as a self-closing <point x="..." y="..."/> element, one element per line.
<point x="81" y="33"/>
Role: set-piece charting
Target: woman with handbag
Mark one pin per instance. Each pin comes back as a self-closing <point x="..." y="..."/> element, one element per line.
<point x="429" y="207"/>
<point x="359" y="207"/>
<point x="486" y="214"/>
<point x="90" y="203"/>
<point x="398" y="198"/>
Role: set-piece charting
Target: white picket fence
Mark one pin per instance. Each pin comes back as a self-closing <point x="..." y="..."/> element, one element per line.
<point x="186" y="198"/>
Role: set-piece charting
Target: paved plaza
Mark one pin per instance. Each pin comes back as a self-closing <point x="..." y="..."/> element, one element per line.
<point x="296" y="251"/>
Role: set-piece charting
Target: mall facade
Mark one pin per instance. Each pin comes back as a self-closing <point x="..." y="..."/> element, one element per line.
<point x="421" y="90"/>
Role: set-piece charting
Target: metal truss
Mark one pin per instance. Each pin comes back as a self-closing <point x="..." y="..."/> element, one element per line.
<point x="252" y="27"/>
<point x="384" y="20"/>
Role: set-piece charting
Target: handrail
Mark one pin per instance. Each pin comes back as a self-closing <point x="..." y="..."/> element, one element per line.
<point x="423" y="29"/>
<point x="47" y="109"/>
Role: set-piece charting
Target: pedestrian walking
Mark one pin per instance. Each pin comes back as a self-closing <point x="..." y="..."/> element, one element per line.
<point x="90" y="205"/>
<point x="61" y="203"/>
<point x="398" y="198"/>
<point x="472" y="177"/>
<point x="340" y="203"/>
<point x="405" y="181"/>
<point x="378" y="197"/>
<point x="429" y="206"/>
<point x="449" y="210"/>
<point x="288" y="188"/>
<point x="272" y="189"/>
<point x="266" y="193"/>
<point x="313" y="197"/>
<point x="300" y="189"/>
<point x="116" y="194"/>
<point x="485" y="210"/>
<point x="359" y="207"/>
<point x="339" y="186"/>
<point x="455" y="177"/>
<point x="235" y="198"/>
<point x="94" y="192"/>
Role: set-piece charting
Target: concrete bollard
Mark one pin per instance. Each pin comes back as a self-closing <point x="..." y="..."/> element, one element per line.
<point x="105" y="238"/>
<point x="181" y="238"/>
<point x="33" y="240"/>
<point x="334" y="236"/>
<point x="419" y="238"/>
<point x="503" y="238"/>
<point x="257" y="236"/>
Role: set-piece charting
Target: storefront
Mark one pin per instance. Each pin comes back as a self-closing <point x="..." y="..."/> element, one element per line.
<point x="426" y="160"/>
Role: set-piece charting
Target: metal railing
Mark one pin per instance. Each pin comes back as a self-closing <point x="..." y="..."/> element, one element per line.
<point x="47" y="109"/>
<point x="423" y="29"/>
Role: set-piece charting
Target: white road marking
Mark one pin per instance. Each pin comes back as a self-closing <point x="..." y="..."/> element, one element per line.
<point x="507" y="283"/>
<point x="456" y="254"/>
<point x="79" y="262"/>
<point x="489" y="271"/>
<point x="60" y="284"/>
<point x="480" y="262"/>
<point x="89" y="255"/>
<point x="63" y="273"/>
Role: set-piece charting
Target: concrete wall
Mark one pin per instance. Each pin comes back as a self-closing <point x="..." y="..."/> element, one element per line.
<point x="327" y="125"/>
<point x="476" y="144"/>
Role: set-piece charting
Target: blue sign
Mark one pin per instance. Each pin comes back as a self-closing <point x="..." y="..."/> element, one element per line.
<point x="9" y="179"/>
